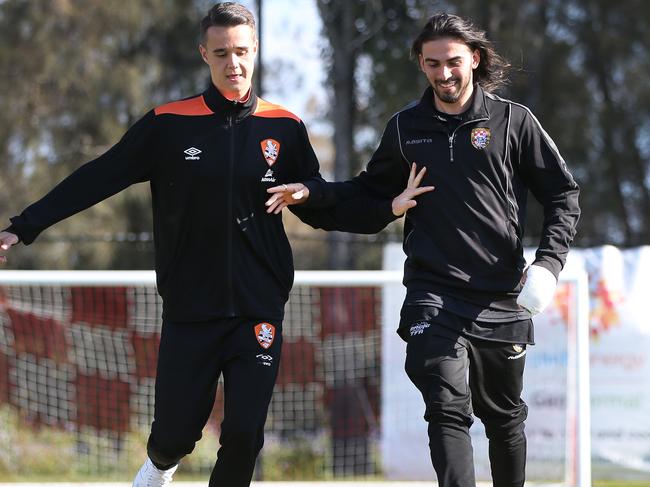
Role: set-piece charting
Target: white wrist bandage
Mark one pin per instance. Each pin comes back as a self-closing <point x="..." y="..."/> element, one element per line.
<point x="538" y="289"/>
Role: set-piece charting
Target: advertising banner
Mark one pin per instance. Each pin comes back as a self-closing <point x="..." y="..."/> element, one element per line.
<point x="619" y="327"/>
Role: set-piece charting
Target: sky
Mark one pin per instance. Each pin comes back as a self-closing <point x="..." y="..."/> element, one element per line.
<point x="294" y="68"/>
<point x="294" y="74"/>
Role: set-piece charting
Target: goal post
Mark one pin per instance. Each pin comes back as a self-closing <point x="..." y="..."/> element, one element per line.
<point x="578" y="429"/>
<point x="77" y="361"/>
<point x="77" y="368"/>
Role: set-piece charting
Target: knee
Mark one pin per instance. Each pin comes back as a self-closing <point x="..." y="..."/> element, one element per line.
<point x="506" y="426"/>
<point x="167" y="448"/>
<point x="245" y="438"/>
<point x="444" y="414"/>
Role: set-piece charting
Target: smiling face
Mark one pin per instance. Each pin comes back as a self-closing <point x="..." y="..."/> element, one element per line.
<point x="230" y="54"/>
<point x="448" y="64"/>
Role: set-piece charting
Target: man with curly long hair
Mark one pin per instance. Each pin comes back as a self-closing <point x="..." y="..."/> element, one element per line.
<point x="470" y="298"/>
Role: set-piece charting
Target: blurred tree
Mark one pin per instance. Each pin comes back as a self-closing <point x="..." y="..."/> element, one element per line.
<point x="580" y="71"/>
<point x="580" y="65"/>
<point x="77" y="73"/>
<point x="370" y="78"/>
<point x="346" y="25"/>
<point x="542" y="77"/>
<point x="611" y="51"/>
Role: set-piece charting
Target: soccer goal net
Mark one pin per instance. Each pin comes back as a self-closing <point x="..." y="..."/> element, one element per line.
<point x="78" y="360"/>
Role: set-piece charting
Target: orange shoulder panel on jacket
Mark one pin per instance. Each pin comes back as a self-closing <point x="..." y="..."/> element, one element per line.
<point x="191" y="106"/>
<point x="270" y="110"/>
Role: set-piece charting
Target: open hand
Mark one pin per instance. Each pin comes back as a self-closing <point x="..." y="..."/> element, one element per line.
<point x="405" y="200"/>
<point x="285" y="195"/>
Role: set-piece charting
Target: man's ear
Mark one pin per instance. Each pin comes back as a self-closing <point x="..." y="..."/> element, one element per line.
<point x="204" y="53"/>
<point x="421" y="62"/>
<point x="476" y="58"/>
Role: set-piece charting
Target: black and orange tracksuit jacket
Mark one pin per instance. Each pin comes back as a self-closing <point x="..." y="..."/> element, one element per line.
<point x="209" y="162"/>
<point x="463" y="240"/>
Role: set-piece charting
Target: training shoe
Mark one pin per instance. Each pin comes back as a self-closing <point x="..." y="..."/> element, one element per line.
<point x="150" y="476"/>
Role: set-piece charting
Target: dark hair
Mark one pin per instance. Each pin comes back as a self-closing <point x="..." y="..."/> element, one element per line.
<point x="491" y="73"/>
<point x="227" y="14"/>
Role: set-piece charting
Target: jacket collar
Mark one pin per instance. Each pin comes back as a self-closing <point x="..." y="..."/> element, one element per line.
<point x="224" y="107"/>
<point x="477" y="110"/>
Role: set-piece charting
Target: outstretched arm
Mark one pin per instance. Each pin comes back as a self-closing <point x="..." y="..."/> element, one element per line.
<point x="384" y="177"/>
<point x="364" y="204"/>
<point x="297" y="193"/>
<point x="126" y="163"/>
<point x="362" y="214"/>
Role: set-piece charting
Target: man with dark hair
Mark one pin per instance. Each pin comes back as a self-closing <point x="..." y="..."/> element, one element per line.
<point x="223" y="266"/>
<point x="470" y="299"/>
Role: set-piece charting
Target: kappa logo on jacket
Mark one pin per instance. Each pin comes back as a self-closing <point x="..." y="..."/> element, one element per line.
<point x="419" y="141"/>
<point x="270" y="150"/>
<point x="265" y="334"/>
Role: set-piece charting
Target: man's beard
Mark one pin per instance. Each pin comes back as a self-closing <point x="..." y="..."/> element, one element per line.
<point x="449" y="97"/>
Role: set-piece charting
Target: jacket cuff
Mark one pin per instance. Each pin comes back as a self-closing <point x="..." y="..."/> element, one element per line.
<point x="21" y="228"/>
<point x="316" y="194"/>
<point x="12" y="229"/>
<point x="384" y="212"/>
<point x="550" y="264"/>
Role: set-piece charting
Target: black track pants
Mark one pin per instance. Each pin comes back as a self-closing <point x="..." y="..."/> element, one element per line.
<point x="192" y="357"/>
<point x="438" y="361"/>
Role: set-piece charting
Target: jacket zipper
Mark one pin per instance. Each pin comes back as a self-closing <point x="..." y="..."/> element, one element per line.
<point x="452" y="136"/>
<point x="451" y="146"/>
<point x="229" y="256"/>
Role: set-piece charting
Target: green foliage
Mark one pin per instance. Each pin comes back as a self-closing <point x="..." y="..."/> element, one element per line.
<point x="28" y="450"/>
<point x="300" y="459"/>
<point x="580" y="65"/>
<point x="77" y="73"/>
<point x="32" y="453"/>
<point x="395" y="79"/>
<point x="578" y="68"/>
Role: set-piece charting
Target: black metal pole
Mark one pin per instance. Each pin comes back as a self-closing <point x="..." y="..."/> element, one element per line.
<point x="260" y="63"/>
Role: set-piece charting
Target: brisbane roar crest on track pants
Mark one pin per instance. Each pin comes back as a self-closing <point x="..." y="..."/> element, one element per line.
<point x="192" y="358"/>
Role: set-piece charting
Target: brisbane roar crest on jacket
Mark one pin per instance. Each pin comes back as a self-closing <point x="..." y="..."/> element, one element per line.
<point x="209" y="162"/>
